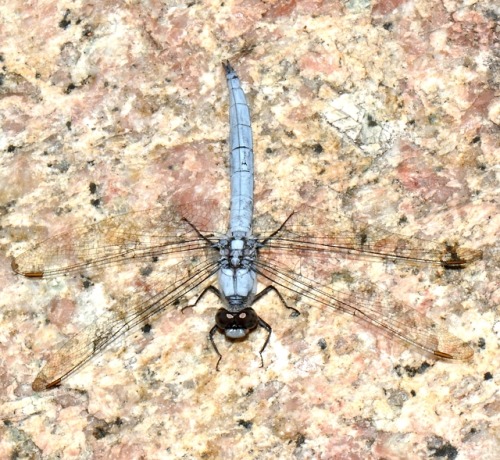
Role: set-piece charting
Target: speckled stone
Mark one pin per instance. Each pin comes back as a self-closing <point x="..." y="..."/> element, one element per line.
<point x="385" y="112"/>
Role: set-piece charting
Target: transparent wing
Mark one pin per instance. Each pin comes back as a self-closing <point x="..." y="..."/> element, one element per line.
<point x="170" y="288"/>
<point x="176" y="239"/>
<point x="155" y="232"/>
<point x="395" y="320"/>
<point x="301" y="254"/>
<point x="308" y="231"/>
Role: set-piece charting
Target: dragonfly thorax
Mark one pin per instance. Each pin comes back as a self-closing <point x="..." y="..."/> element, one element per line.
<point x="237" y="278"/>
<point x="237" y="252"/>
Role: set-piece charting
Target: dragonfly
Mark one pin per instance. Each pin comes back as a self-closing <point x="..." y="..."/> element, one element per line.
<point x="190" y="255"/>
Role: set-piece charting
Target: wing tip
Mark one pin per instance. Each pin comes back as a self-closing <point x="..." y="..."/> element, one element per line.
<point x="463" y="353"/>
<point x="14" y="265"/>
<point x="458" y="258"/>
<point x="41" y="383"/>
<point x="29" y="274"/>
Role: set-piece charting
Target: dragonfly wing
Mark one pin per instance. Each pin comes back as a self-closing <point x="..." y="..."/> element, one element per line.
<point x="395" y="320"/>
<point x="150" y="233"/>
<point x="168" y="289"/>
<point x="309" y="231"/>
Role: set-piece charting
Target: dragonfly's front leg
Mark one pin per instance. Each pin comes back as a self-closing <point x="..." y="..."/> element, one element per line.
<point x="261" y="323"/>
<point x="267" y="290"/>
<point x="246" y="317"/>
<point x="214" y="329"/>
<point x="211" y="289"/>
<point x="268" y="328"/>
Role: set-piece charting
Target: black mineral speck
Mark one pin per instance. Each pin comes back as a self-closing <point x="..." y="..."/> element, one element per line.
<point x="245" y="424"/>
<point x="100" y="432"/>
<point x="488" y="376"/>
<point x="96" y="203"/>
<point x="146" y="328"/>
<point x="64" y="23"/>
<point x="322" y="344"/>
<point x="301" y="439"/>
<point x="92" y="187"/>
<point x="11" y="148"/>
<point x="70" y="88"/>
<point x="87" y="283"/>
<point x="440" y="449"/>
<point x="411" y="371"/>
<point x="371" y="121"/>
<point x="318" y="148"/>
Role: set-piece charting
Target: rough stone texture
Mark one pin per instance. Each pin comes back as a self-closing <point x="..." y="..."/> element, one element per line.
<point x="386" y="112"/>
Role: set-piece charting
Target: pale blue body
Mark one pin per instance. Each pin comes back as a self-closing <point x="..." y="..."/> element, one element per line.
<point x="237" y="278"/>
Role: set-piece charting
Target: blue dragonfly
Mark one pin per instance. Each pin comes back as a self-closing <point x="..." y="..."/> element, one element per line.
<point x="191" y="255"/>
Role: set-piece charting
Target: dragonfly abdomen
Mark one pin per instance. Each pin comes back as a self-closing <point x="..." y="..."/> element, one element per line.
<point x="241" y="157"/>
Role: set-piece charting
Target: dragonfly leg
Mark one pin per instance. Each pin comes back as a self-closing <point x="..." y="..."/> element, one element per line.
<point x="262" y="324"/>
<point x="268" y="328"/>
<point x="212" y="341"/>
<point x="197" y="231"/>
<point x="267" y="290"/>
<point x="211" y="289"/>
<point x="263" y="243"/>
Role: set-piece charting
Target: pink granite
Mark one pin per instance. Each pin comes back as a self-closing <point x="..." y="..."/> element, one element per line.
<point x="131" y="97"/>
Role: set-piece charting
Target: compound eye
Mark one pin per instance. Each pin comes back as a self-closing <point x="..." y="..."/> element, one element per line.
<point x="245" y="319"/>
<point x="248" y="318"/>
<point x="223" y="318"/>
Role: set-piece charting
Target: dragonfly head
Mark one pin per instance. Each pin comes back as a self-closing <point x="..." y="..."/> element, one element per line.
<point x="236" y="325"/>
